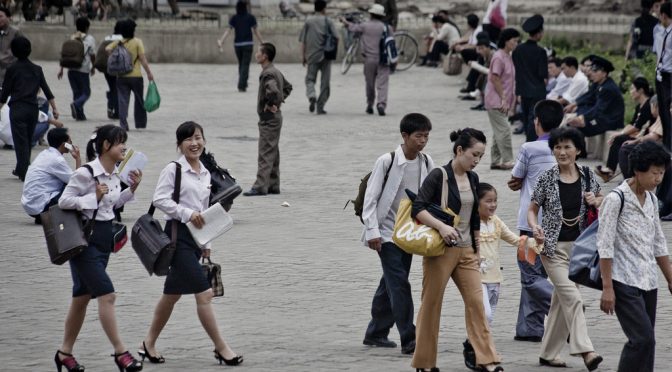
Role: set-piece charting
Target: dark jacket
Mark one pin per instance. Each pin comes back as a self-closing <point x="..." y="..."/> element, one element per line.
<point x="273" y="90"/>
<point x="531" y="65"/>
<point x="608" y="110"/>
<point x="430" y="192"/>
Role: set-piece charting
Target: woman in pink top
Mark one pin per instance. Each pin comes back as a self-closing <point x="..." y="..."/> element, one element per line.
<point x="500" y="99"/>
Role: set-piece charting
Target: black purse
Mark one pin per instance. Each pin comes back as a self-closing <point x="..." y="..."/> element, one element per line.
<point x="150" y="242"/>
<point x="64" y="232"/>
<point x="223" y="187"/>
<point x="330" y="43"/>
<point x="213" y="272"/>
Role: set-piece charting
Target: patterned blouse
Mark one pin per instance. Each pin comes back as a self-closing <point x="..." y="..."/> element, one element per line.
<point x="632" y="239"/>
<point x="547" y="196"/>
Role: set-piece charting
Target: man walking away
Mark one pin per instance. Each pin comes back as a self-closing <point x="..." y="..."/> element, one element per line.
<point x="273" y="90"/>
<point x="79" y="77"/>
<point x="312" y="38"/>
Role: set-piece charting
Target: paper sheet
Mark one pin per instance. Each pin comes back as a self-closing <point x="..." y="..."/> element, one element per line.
<point x="134" y="160"/>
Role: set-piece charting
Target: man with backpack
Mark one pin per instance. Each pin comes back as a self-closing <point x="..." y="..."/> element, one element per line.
<point x="377" y="46"/>
<point x="78" y="55"/>
<point x="394" y="173"/>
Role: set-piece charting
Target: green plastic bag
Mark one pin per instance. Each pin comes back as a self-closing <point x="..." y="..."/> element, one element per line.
<point x="153" y="99"/>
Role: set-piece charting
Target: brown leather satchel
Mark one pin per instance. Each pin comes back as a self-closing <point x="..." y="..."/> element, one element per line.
<point x="64" y="232"/>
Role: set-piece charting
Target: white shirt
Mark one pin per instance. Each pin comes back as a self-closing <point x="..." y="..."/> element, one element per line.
<point x="410" y="180"/>
<point x="194" y="191"/>
<point x="378" y="201"/>
<point x="80" y="193"/>
<point x="46" y="177"/>
<point x="632" y="240"/>
<point x="578" y="87"/>
<point x="664" y="59"/>
<point x="562" y="83"/>
<point x="503" y="4"/>
<point x="472" y="39"/>
<point x="448" y="33"/>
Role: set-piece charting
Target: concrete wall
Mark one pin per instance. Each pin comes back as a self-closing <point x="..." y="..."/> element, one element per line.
<point x="173" y="45"/>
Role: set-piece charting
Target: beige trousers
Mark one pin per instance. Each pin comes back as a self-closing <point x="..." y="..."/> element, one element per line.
<point x="461" y="264"/>
<point x="565" y="317"/>
<point x="501" y="150"/>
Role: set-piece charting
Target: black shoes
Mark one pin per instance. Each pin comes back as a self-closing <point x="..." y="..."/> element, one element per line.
<point x="73" y="110"/>
<point x="381" y="110"/>
<point x="528" y="338"/>
<point x="479" y="107"/>
<point x="254" y="192"/>
<point x="311" y="106"/>
<point x="408" y="349"/>
<point x="238" y="359"/>
<point x="126" y="363"/>
<point x="433" y="369"/>
<point x="152" y="359"/>
<point x="469" y="355"/>
<point x="381" y="342"/>
<point x="369" y="109"/>
<point x="69" y="362"/>
<point x="320" y="111"/>
<point x="274" y="190"/>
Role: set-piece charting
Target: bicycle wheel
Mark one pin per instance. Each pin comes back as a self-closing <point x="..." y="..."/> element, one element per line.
<point x="407" y="50"/>
<point x="350" y="56"/>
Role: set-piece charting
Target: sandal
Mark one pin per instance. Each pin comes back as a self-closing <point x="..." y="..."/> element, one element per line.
<point x="556" y="362"/>
<point x="593" y="363"/>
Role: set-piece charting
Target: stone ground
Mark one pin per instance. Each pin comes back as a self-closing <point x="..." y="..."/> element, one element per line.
<point x="298" y="282"/>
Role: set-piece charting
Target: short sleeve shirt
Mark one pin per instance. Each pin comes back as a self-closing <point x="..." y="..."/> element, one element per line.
<point x="243" y="25"/>
<point x="502" y="66"/>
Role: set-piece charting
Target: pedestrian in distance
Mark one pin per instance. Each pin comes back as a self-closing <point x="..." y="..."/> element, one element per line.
<point x="273" y="91"/>
<point x="112" y="93"/>
<point x="390" y="178"/>
<point x="9" y="33"/>
<point x="564" y="193"/>
<point x="80" y="82"/>
<point x="631" y="245"/>
<point x="94" y="189"/>
<point x="186" y="275"/>
<point x="534" y="158"/>
<point x="132" y="81"/>
<point x="312" y="38"/>
<point x="244" y="24"/>
<point x="376" y="73"/>
<point x="23" y="81"/>
<point x="461" y="258"/>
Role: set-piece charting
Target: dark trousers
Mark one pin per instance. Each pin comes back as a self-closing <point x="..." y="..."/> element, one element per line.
<point x="393" y="302"/>
<point x="636" y="312"/>
<point x="112" y="96"/>
<point x="527" y="105"/>
<point x="268" y="160"/>
<point x="594" y="130"/>
<point x="664" y="91"/>
<point x="469" y="55"/>
<point x="23" y="119"/>
<point x="126" y="85"/>
<point x="81" y="89"/>
<point x="535" y="298"/>
<point x="664" y="193"/>
<point x="440" y="47"/>
<point x="623" y="161"/>
<point x="614" y="149"/>
<point x="244" y="55"/>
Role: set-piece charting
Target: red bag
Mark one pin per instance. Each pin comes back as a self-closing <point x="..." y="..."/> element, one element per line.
<point x="591" y="212"/>
<point x="120" y="236"/>
<point x="497" y="18"/>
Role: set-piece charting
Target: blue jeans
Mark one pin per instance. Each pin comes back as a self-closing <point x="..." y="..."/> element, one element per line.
<point x="81" y="89"/>
<point x="393" y="302"/>
<point x="535" y="298"/>
<point x="636" y="311"/>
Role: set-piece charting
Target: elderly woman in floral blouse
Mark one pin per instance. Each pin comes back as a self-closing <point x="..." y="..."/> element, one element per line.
<point x="562" y="193"/>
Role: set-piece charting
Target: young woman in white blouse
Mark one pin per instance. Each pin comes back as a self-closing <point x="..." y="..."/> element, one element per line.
<point x="96" y="186"/>
<point x="186" y="275"/>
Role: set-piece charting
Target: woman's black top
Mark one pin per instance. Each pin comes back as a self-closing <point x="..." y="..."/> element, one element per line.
<point x="642" y="115"/>
<point x="570" y="198"/>
<point x="22" y="81"/>
<point x="430" y="192"/>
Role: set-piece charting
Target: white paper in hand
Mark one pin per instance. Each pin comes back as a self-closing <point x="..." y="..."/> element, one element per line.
<point x="134" y="160"/>
<point x="217" y="222"/>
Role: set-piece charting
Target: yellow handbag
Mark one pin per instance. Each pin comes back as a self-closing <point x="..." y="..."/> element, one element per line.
<point x="415" y="238"/>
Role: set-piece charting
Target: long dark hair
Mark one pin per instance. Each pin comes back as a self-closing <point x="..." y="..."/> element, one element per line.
<point x="111" y="133"/>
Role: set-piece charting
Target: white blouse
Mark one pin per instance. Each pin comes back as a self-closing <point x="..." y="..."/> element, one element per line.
<point x="80" y="192"/>
<point x="194" y="191"/>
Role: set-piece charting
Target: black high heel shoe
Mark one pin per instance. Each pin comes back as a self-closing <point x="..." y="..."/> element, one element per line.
<point x="152" y="359"/>
<point x="69" y="362"/>
<point x="433" y="369"/>
<point x="126" y="362"/>
<point x="238" y="359"/>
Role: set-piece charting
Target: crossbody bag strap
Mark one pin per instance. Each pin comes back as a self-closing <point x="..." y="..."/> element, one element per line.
<point x="176" y="198"/>
<point x="95" y="211"/>
<point x="444" y="189"/>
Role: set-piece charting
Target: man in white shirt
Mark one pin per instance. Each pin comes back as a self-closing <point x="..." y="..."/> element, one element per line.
<point x="391" y="176"/>
<point x="578" y="85"/>
<point x="48" y="174"/>
<point x="79" y="77"/>
<point x="559" y="82"/>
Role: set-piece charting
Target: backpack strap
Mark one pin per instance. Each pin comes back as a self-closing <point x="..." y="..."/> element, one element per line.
<point x="622" y="197"/>
<point x="387" y="173"/>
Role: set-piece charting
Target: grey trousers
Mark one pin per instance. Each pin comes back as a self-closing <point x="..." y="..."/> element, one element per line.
<point x="501" y="150"/>
<point x="126" y="85"/>
<point x="268" y="160"/>
<point x="377" y="77"/>
<point x="324" y="67"/>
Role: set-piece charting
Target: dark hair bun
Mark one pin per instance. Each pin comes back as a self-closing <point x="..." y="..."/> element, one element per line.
<point x="454" y="135"/>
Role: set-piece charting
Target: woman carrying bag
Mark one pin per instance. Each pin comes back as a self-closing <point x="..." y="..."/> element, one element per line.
<point x="106" y="147"/>
<point x="461" y="258"/>
<point x="564" y="193"/>
<point x="186" y="275"/>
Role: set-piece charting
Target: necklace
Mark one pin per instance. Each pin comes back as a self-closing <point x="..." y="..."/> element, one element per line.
<point x="569" y="222"/>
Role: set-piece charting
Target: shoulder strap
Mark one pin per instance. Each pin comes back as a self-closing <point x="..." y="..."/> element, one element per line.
<point x="622" y="197"/>
<point x="586" y="174"/>
<point x="444" y="189"/>
<point x="176" y="187"/>
<point x="387" y="173"/>
<point x="90" y="169"/>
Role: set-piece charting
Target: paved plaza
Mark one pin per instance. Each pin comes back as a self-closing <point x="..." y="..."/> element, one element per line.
<point x="298" y="283"/>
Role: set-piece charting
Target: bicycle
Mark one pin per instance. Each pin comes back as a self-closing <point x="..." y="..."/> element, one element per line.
<point x="407" y="46"/>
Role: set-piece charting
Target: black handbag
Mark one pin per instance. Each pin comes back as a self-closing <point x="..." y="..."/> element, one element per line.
<point x="223" y="187"/>
<point x="64" y="232"/>
<point x="152" y="245"/>
<point x="213" y="272"/>
<point x="330" y="43"/>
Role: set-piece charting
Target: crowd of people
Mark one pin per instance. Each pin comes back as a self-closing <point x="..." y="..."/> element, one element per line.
<point x="561" y="103"/>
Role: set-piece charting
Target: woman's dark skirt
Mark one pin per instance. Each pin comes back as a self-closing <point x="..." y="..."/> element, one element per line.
<point x="185" y="275"/>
